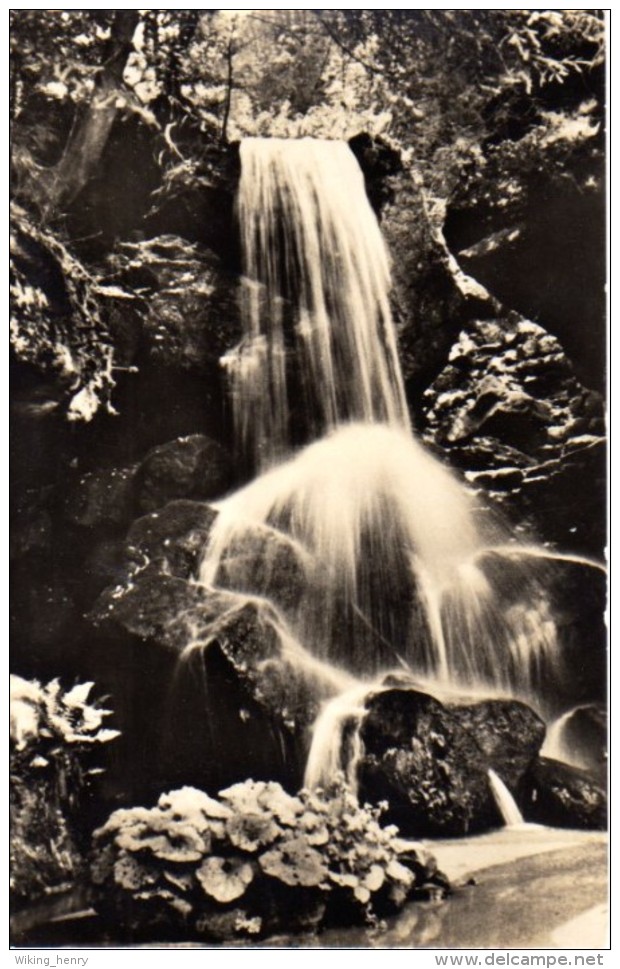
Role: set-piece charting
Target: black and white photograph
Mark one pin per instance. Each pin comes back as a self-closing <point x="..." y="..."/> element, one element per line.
<point x="308" y="480"/>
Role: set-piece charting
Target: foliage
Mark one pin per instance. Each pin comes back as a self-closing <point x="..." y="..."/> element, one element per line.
<point x="44" y="719"/>
<point x="463" y="87"/>
<point x="253" y="860"/>
<point x="57" y="318"/>
<point x="53" y="733"/>
<point x="58" y="55"/>
<point x="186" y="302"/>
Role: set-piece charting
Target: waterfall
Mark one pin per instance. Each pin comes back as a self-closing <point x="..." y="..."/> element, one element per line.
<point x="400" y="566"/>
<point x="317" y="326"/>
<point x="505" y="801"/>
<point x="391" y="550"/>
<point x="336" y="745"/>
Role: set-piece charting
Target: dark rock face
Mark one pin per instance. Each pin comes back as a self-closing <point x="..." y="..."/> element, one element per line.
<point x="508" y="410"/>
<point x="418" y="757"/>
<point x="431" y="762"/>
<point x="190" y="467"/>
<point x="546" y="260"/>
<point x="563" y="796"/>
<point x="262" y="561"/>
<point x="432" y="298"/>
<point x="101" y="498"/>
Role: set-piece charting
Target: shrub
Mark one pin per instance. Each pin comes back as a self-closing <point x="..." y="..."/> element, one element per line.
<point x="255" y="860"/>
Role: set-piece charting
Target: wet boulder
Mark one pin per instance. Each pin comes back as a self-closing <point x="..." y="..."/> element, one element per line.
<point x="162" y="610"/>
<point x="431" y="761"/>
<point x="174" y="537"/>
<point x="561" y="796"/>
<point x="584" y="740"/>
<point x="279" y="674"/>
<point x="263" y="561"/>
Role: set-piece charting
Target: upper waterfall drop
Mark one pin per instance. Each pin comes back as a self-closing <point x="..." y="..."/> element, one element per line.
<point x="317" y="326"/>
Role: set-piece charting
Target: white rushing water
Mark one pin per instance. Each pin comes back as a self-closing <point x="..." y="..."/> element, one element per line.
<point x="315" y="300"/>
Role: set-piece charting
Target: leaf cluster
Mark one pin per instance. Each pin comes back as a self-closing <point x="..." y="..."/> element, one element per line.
<point x="251" y="861"/>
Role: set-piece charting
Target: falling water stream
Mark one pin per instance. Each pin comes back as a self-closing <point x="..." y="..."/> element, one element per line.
<point x="399" y="571"/>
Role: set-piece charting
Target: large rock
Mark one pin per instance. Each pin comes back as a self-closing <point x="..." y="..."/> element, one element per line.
<point x="431" y="761"/>
<point x="189" y="467"/>
<point x="162" y="610"/>
<point x="562" y="796"/>
<point x="509" y="734"/>
<point x="263" y="561"/>
<point x="508" y="411"/>
<point x="418" y="758"/>
<point x="275" y="670"/>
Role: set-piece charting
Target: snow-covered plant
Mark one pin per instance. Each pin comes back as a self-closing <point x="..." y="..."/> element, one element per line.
<point x="254" y="860"/>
